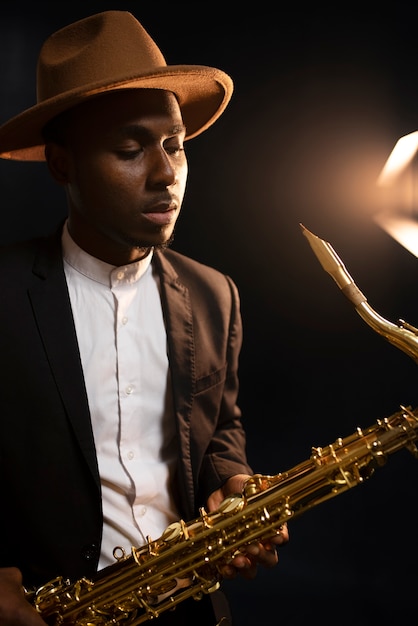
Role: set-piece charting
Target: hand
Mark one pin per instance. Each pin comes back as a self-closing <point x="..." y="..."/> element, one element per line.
<point x="15" y="610"/>
<point x="264" y="553"/>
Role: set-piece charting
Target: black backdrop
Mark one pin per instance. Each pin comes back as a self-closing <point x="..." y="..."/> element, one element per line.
<point x="321" y="96"/>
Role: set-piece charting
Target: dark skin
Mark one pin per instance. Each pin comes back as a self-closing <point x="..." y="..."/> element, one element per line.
<point x="121" y="161"/>
<point x="124" y="171"/>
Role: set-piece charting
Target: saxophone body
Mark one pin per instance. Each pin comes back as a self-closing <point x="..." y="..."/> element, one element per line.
<point x="185" y="561"/>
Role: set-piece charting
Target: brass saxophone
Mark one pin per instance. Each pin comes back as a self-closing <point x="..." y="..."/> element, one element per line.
<point x="184" y="562"/>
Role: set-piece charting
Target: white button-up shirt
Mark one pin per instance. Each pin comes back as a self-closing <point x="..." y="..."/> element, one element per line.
<point x="123" y="348"/>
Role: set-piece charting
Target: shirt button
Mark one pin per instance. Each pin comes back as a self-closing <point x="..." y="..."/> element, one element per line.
<point x="130" y="455"/>
<point x="124" y="320"/>
<point x="129" y="389"/>
<point x="142" y="511"/>
<point x="120" y="275"/>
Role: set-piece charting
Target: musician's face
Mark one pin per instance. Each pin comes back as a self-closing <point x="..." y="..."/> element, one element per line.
<point x="124" y="169"/>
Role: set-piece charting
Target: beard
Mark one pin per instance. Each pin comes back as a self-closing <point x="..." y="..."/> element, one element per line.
<point x="146" y="247"/>
<point x="165" y="244"/>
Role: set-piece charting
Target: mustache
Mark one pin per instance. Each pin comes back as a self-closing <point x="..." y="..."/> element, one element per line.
<point x="160" y="201"/>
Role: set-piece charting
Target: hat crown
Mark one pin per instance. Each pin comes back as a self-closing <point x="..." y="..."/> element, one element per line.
<point x="104" y="47"/>
<point x="97" y="55"/>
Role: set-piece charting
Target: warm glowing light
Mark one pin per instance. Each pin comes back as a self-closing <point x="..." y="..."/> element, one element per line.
<point x="401" y="220"/>
<point x="401" y="156"/>
<point x="402" y="228"/>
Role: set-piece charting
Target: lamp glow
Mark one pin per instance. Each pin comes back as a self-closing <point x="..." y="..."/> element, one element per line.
<point x="401" y="221"/>
<point x="401" y="156"/>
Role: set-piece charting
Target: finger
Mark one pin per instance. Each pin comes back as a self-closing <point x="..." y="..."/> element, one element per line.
<point x="239" y="564"/>
<point x="263" y="554"/>
<point x="256" y="554"/>
<point x="281" y="535"/>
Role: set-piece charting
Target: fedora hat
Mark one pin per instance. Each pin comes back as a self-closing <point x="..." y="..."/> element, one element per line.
<point x="102" y="53"/>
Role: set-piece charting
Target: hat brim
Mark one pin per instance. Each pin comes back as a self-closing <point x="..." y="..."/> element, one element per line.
<point x="202" y="92"/>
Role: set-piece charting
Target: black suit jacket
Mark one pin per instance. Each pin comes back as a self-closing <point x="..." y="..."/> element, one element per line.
<point x="51" y="517"/>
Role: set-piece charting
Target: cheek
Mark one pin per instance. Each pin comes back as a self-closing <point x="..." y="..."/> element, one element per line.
<point x="88" y="190"/>
<point x="97" y="179"/>
<point x="182" y="174"/>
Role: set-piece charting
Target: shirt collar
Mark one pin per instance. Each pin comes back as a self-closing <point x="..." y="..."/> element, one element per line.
<point x="98" y="270"/>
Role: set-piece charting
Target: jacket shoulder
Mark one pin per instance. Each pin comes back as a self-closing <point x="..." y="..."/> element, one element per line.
<point x="33" y="256"/>
<point x="191" y="272"/>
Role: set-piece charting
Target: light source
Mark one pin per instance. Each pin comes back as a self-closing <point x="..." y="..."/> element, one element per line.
<point x="398" y="181"/>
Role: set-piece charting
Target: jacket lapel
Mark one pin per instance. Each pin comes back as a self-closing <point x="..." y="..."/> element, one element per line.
<point x="181" y="353"/>
<point x="52" y="310"/>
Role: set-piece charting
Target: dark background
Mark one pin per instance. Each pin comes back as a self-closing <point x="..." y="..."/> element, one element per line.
<point x="321" y="96"/>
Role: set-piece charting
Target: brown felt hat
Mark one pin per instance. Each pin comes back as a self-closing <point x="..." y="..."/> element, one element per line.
<point x="104" y="53"/>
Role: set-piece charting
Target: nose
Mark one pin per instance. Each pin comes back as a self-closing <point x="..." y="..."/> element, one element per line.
<point x="162" y="172"/>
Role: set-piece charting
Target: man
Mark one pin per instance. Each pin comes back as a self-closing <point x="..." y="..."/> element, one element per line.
<point x="119" y="383"/>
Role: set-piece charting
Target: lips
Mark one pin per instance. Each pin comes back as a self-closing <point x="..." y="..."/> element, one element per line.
<point x="162" y="213"/>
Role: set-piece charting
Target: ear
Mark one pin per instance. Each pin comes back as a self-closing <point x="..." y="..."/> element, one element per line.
<point x="58" y="162"/>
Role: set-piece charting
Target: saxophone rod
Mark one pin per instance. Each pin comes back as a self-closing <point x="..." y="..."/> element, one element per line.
<point x="402" y="335"/>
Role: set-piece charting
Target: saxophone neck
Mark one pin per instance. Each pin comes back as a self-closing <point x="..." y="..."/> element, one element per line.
<point x="402" y="335"/>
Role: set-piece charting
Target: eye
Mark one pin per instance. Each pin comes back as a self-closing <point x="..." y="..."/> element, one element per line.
<point x="175" y="151"/>
<point x="174" y="148"/>
<point x="129" y="155"/>
<point x="128" y="149"/>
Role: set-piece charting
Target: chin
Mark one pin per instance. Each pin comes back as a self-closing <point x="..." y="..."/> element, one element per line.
<point x="159" y="240"/>
<point x="163" y="241"/>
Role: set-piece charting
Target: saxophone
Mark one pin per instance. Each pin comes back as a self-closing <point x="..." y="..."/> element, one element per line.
<point x="185" y="560"/>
